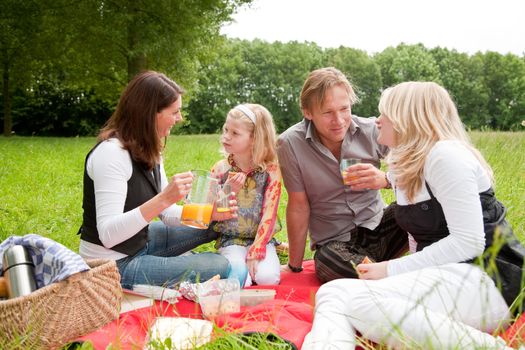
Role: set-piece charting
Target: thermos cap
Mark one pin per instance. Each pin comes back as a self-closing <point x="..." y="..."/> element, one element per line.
<point x="16" y="255"/>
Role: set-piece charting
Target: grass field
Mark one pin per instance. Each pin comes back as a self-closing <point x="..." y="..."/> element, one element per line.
<point x="41" y="188"/>
<point x="41" y="179"/>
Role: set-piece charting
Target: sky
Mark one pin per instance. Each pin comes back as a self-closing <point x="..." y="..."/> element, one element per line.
<point x="467" y="26"/>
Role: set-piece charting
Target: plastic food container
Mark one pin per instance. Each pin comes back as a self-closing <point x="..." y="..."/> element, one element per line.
<point x="252" y="297"/>
<point x="219" y="297"/>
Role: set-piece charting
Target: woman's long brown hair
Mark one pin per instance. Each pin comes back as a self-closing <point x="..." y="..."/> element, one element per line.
<point x="134" y="121"/>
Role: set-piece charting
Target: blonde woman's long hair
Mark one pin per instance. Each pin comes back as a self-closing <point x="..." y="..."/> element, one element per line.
<point x="422" y="113"/>
<point x="263" y="133"/>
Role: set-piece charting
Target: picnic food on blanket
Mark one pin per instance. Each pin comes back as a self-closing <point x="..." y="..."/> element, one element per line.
<point x="252" y="297"/>
<point x="217" y="297"/>
<point x="216" y="306"/>
<point x="189" y="290"/>
<point x="366" y="260"/>
<point x="157" y="292"/>
<point x="184" y="333"/>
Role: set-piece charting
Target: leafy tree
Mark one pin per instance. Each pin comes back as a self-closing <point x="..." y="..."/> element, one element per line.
<point x="364" y="74"/>
<point x="270" y="74"/>
<point x="120" y="38"/>
<point x="21" y="28"/>
<point x="504" y="78"/>
<point x="102" y="44"/>
<point x="407" y="62"/>
<point x="462" y="76"/>
<point x="276" y="72"/>
<point x="51" y="109"/>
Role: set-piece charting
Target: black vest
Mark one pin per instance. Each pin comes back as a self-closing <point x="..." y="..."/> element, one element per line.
<point x="142" y="186"/>
<point x="504" y="255"/>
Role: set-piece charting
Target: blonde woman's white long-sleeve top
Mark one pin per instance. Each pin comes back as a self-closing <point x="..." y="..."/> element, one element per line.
<point x="455" y="177"/>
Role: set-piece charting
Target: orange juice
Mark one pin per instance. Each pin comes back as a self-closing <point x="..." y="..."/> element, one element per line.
<point x="196" y="215"/>
<point x="344" y="174"/>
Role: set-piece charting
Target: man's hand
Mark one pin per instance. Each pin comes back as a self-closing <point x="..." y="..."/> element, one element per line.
<point x="365" y="176"/>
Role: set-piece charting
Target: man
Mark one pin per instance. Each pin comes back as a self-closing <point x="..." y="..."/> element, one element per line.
<point x="346" y="223"/>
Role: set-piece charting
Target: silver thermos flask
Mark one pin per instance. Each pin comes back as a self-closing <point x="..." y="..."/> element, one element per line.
<point x="19" y="271"/>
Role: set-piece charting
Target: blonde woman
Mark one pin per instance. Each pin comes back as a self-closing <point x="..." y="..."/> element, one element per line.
<point x="443" y="295"/>
<point x="250" y="167"/>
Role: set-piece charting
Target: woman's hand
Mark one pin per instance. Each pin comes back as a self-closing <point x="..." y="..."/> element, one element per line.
<point x="372" y="271"/>
<point x="252" y="267"/>
<point x="178" y="188"/>
<point x="236" y="181"/>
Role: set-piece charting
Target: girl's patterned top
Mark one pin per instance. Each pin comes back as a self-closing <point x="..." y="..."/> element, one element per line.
<point x="258" y="201"/>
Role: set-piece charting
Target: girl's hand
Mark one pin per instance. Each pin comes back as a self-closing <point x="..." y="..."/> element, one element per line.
<point x="252" y="267"/>
<point x="236" y="181"/>
<point x="372" y="271"/>
<point x="178" y="188"/>
<point x="231" y="214"/>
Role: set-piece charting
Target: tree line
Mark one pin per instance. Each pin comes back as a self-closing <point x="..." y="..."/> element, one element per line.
<point x="489" y="88"/>
<point x="65" y="62"/>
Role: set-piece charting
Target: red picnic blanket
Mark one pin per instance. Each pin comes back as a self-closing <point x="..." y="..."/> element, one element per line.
<point x="289" y="315"/>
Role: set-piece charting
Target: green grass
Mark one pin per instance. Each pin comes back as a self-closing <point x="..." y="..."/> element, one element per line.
<point x="41" y="186"/>
<point x="41" y="180"/>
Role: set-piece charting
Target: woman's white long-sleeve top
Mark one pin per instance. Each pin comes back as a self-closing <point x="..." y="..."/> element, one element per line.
<point x="455" y="177"/>
<point x="110" y="168"/>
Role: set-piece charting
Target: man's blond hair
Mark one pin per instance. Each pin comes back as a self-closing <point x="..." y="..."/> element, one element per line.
<point x="318" y="82"/>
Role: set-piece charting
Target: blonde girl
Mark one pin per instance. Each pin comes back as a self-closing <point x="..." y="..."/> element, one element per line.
<point x="250" y="167"/>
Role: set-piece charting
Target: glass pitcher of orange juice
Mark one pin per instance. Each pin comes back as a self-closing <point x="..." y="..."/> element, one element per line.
<point x="198" y="206"/>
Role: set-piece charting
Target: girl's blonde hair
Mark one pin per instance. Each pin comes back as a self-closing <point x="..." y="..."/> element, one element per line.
<point x="263" y="133"/>
<point x="422" y="113"/>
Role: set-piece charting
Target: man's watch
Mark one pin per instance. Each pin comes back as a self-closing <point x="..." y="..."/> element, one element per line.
<point x="294" y="268"/>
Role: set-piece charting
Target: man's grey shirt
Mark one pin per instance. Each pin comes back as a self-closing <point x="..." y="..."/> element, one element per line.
<point x="308" y="166"/>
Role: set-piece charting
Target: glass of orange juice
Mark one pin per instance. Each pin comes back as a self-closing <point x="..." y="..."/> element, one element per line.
<point x="198" y="206"/>
<point x="344" y="165"/>
<point x="223" y="198"/>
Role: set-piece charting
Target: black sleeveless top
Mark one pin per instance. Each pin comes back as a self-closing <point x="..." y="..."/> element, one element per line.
<point x="142" y="186"/>
<point x="503" y="257"/>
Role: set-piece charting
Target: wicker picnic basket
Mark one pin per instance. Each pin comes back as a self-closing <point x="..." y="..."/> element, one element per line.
<point x="55" y="314"/>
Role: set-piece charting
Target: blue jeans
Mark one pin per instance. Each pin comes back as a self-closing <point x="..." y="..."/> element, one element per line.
<point x="159" y="262"/>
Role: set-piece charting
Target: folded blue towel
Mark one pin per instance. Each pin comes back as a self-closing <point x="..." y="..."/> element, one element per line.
<point x="53" y="262"/>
